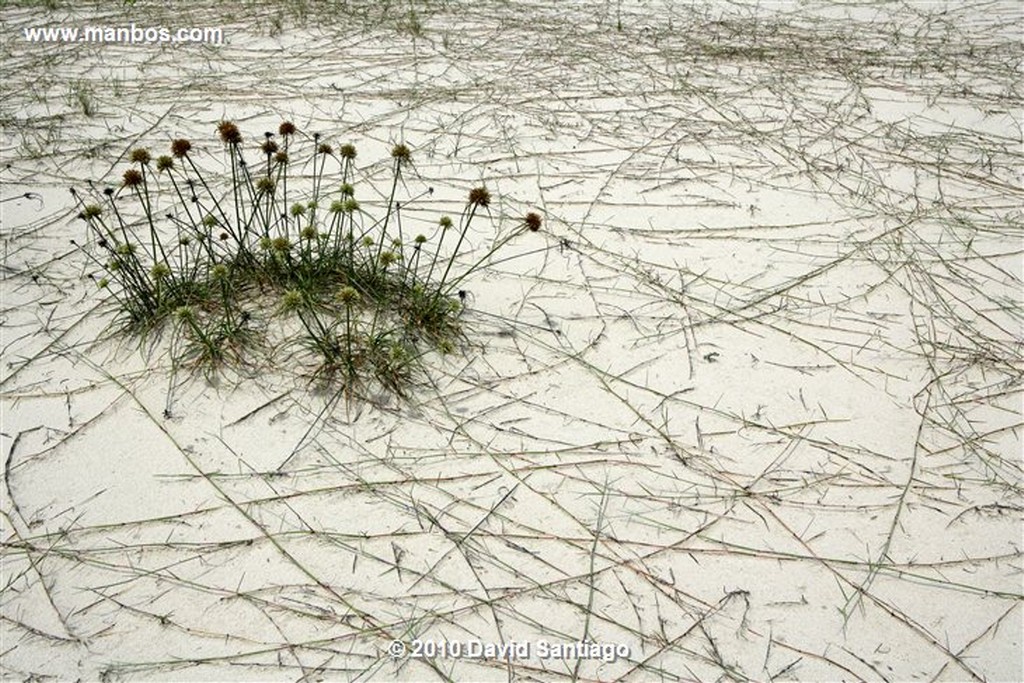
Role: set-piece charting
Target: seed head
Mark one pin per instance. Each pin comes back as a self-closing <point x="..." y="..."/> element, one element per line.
<point x="210" y="220"/>
<point x="125" y="249"/>
<point x="532" y="221"/>
<point x="229" y="133"/>
<point x="223" y="236"/>
<point x="103" y="283"/>
<point x="269" y="147"/>
<point x="90" y="211"/>
<point x="160" y="271"/>
<point x="401" y="153"/>
<point x="479" y="196"/>
<point x="351" y="205"/>
<point x="265" y="185"/>
<point x="348" y="295"/>
<point x="367" y="241"/>
<point x="324" y="148"/>
<point x="180" y="147"/>
<point x="281" y="244"/>
<point x="140" y="155"/>
<point x="281" y="158"/>
<point x="164" y="163"/>
<point x="309" y="233"/>
<point x="387" y="258"/>
<point x="286" y="128"/>
<point x="347" y="151"/>
<point x="347" y="190"/>
<point x="266" y="244"/>
<point x="292" y="300"/>
<point x="445" y="222"/>
<point x="337" y="206"/>
<point x="185" y="313"/>
<point x="132" y="178"/>
<point x="219" y="272"/>
<point x="420" y="239"/>
<point x="298" y="210"/>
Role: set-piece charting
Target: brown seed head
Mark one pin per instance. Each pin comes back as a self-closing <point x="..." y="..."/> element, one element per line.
<point x="269" y="147"/>
<point x="229" y="133"/>
<point x="286" y="128"/>
<point x="532" y="221"/>
<point x="479" y="196"/>
<point x="180" y="147"/>
<point x="140" y="155"/>
<point x="132" y="178"/>
<point x="324" y="148"/>
<point x="401" y="153"/>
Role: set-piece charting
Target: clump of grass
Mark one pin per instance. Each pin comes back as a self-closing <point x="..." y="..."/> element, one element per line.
<point x="302" y="252"/>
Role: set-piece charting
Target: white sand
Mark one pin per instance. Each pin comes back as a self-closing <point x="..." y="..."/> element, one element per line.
<point x="752" y="414"/>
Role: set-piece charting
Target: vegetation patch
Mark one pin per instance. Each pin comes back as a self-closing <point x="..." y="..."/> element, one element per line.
<point x="367" y="297"/>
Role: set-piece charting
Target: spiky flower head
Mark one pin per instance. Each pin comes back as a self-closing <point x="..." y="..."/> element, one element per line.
<point x="387" y="258"/>
<point x="269" y="147"/>
<point x="132" y="178"/>
<point x="90" y="211"/>
<point x="298" y="210"/>
<point x="164" y="163"/>
<point x="309" y="233"/>
<point x="210" y="221"/>
<point x="140" y="155"/>
<point x="479" y="196"/>
<point x="445" y="222"/>
<point x="229" y="133"/>
<point x="351" y="205"/>
<point x="292" y="300"/>
<point x="160" y="271"/>
<point x="420" y="239"/>
<point x="281" y="158"/>
<point x="265" y="185"/>
<point x="324" y="148"/>
<point x="337" y="206"/>
<point x="348" y="295"/>
<point x="286" y="128"/>
<point x="401" y="153"/>
<point x="367" y="241"/>
<point x="103" y="283"/>
<point x="185" y="313"/>
<point x="281" y="244"/>
<point x="219" y="272"/>
<point x="347" y="190"/>
<point x="180" y="147"/>
<point x="347" y="151"/>
<point x="266" y="244"/>
<point x="125" y="249"/>
<point x="532" y="221"/>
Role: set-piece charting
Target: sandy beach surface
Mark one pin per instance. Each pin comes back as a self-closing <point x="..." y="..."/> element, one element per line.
<point x="747" y="407"/>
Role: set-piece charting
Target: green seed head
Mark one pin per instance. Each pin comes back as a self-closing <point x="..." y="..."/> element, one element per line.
<point x="347" y="151"/>
<point x="219" y="272"/>
<point x="185" y="313"/>
<point x="348" y="295"/>
<point x="420" y="239"/>
<point x="337" y="206"/>
<point x="292" y="300"/>
<point x="265" y="185"/>
<point x="367" y="241"/>
<point x="445" y="222"/>
<point x="298" y="210"/>
<point x="103" y="283"/>
<point x="210" y="221"/>
<point x="351" y="205"/>
<point x="347" y="190"/>
<point x="401" y="153"/>
<point x="309" y="233"/>
<point x="387" y="258"/>
<point x="140" y="155"/>
<point x="125" y="249"/>
<point x="281" y="244"/>
<point x="92" y="211"/>
<point x="160" y="271"/>
<point x="164" y="163"/>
